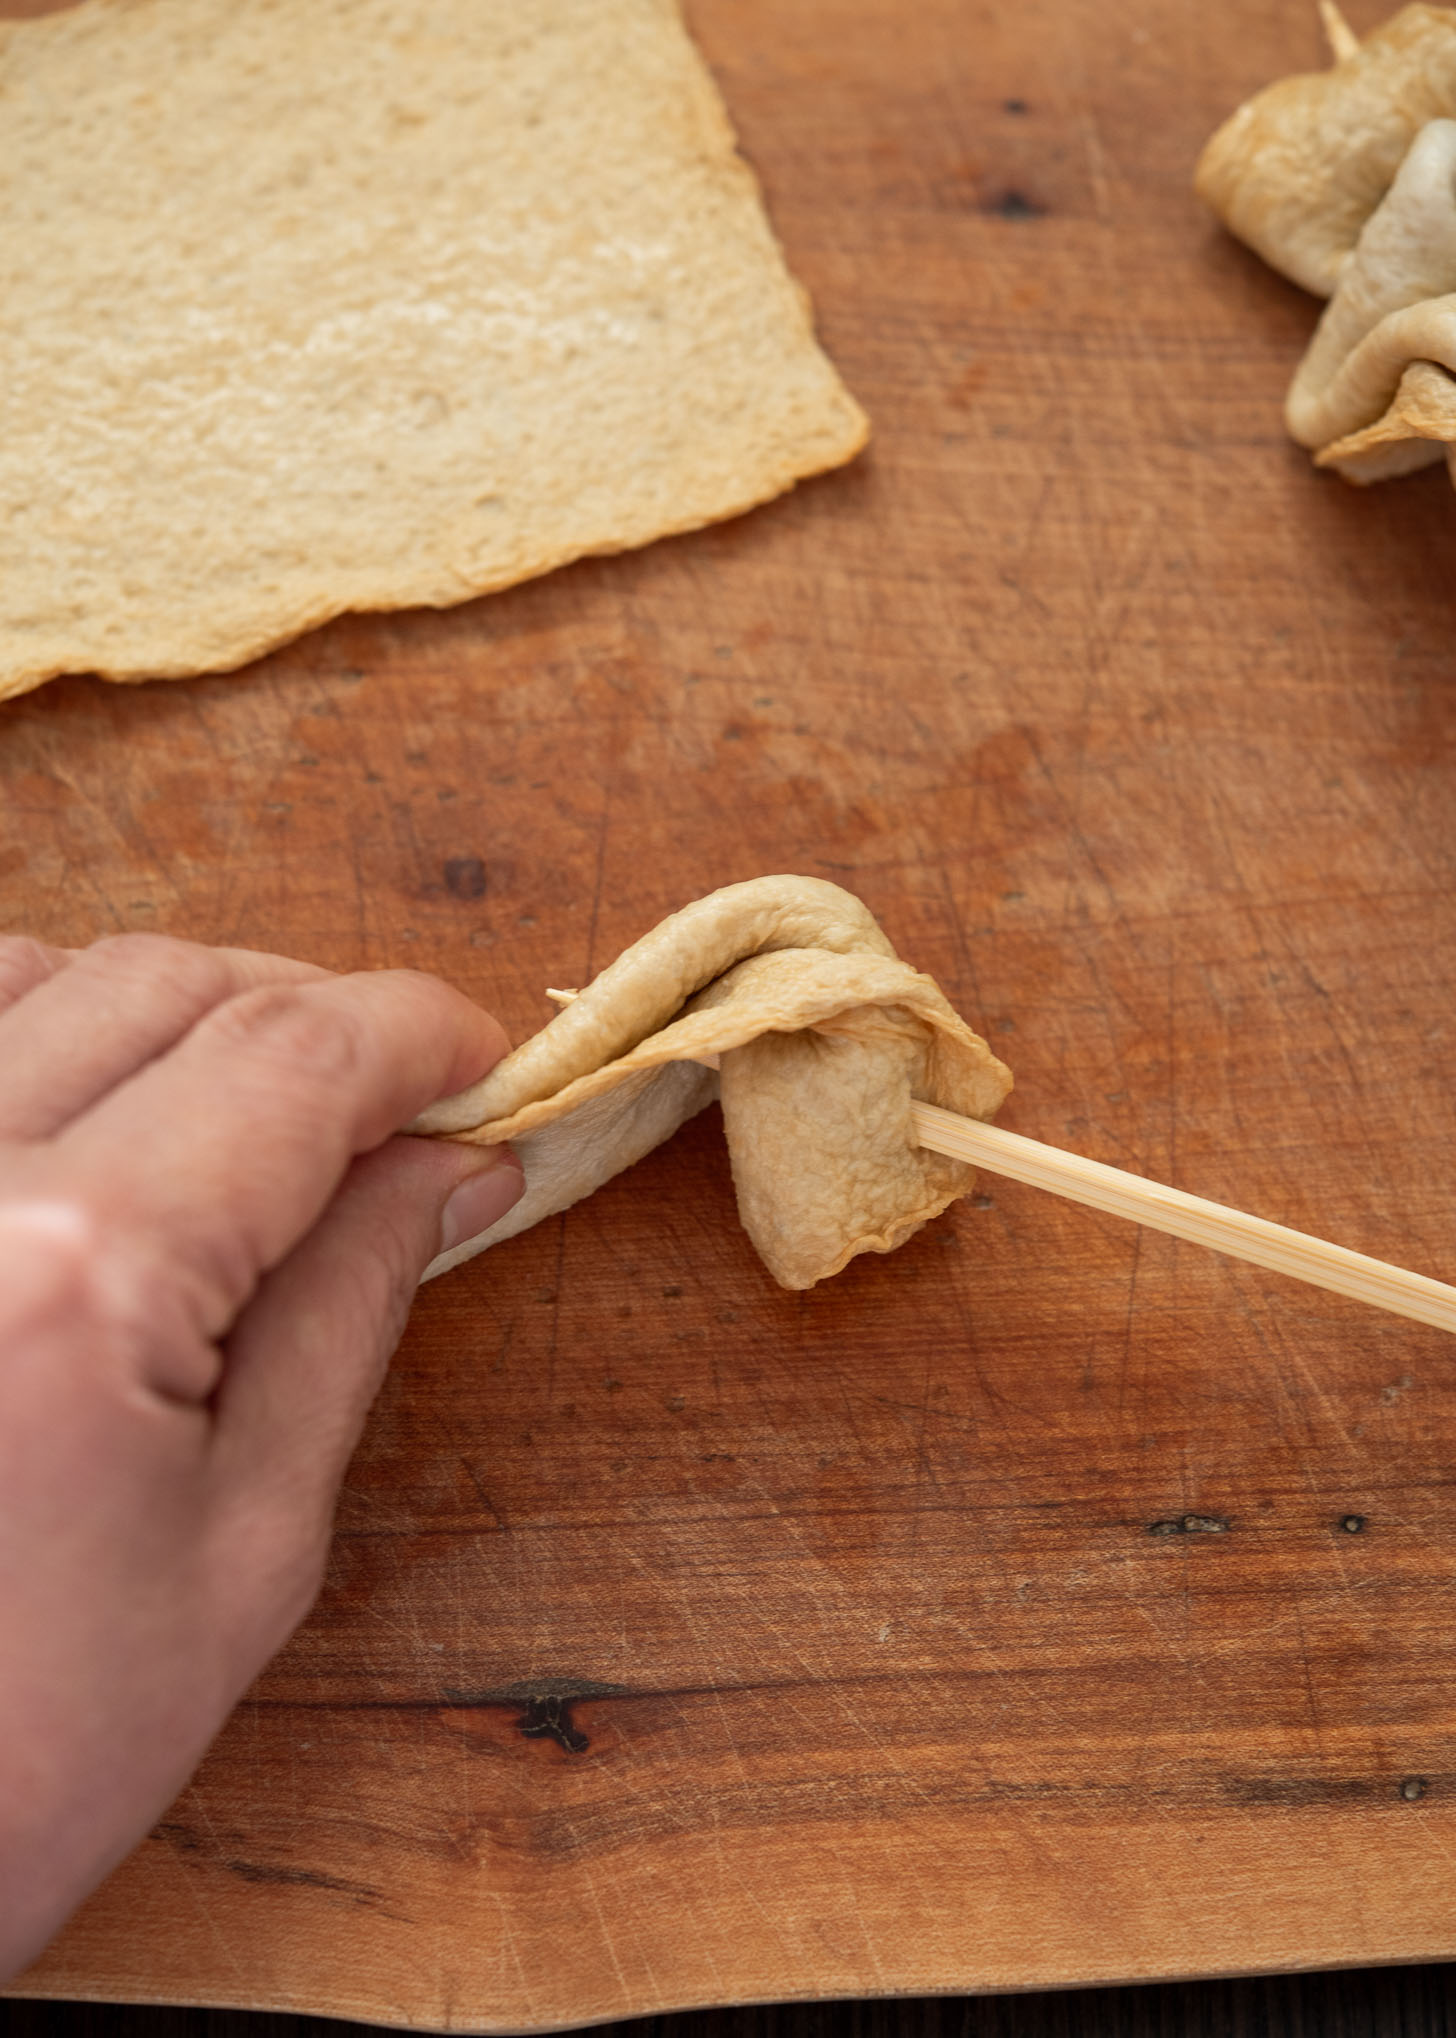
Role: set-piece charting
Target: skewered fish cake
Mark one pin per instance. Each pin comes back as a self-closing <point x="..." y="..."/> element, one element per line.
<point x="824" y="1037"/>
<point x="1345" y="181"/>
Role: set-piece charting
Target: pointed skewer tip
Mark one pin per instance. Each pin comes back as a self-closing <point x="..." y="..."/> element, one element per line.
<point x="1342" y="39"/>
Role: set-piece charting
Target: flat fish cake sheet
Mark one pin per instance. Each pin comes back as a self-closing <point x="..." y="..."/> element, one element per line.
<point x="315" y="305"/>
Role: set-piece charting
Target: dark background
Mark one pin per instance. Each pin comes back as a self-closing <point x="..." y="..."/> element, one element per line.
<point x="1380" y="2002"/>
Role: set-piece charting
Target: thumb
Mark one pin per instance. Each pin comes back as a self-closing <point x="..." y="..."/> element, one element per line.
<point x="307" y="1354"/>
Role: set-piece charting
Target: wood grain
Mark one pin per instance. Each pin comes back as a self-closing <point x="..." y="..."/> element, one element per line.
<point x="1050" y="1602"/>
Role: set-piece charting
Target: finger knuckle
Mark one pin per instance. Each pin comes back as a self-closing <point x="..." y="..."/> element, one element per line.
<point x="303" y="1038"/>
<point x="179" y="971"/>
<point x="73" y="1275"/>
<point x="54" y="1236"/>
<point x="24" y="963"/>
<point x="140" y="952"/>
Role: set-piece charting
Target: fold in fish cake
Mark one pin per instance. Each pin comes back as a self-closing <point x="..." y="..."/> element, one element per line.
<point x="823" y="1039"/>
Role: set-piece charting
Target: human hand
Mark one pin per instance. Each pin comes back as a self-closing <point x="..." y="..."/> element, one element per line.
<point x="209" y="1242"/>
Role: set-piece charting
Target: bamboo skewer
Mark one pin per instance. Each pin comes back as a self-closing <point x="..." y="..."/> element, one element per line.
<point x="1214" y="1225"/>
<point x="1342" y="39"/>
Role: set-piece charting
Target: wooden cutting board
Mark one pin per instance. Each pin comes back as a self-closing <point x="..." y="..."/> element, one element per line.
<point x="1046" y="1603"/>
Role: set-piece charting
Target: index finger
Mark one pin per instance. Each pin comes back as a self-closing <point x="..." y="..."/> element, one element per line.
<point x="83" y="1020"/>
<point x="214" y="1161"/>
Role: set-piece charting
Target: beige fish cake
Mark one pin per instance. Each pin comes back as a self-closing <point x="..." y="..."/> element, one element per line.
<point x="315" y="305"/>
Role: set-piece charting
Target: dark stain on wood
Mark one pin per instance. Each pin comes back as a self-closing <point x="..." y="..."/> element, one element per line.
<point x="1014" y="204"/>
<point x="465" y="877"/>
<point x="548" y="1718"/>
<point x="305" y="1878"/>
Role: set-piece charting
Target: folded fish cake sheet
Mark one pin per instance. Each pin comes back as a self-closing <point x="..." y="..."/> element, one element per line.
<point x="1345" y="181"/>
<point x="823" y="1037"/>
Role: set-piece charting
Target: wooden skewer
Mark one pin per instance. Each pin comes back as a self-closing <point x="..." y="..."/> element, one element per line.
<point x="1342" y="39"/>
<point x="1214" y="1225"/>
